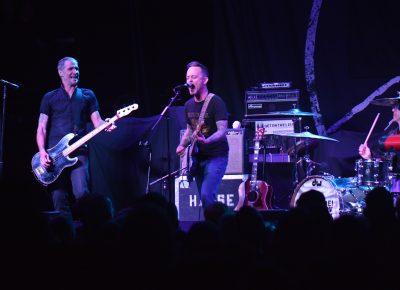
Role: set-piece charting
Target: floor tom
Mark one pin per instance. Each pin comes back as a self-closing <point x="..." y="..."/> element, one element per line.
<point x="372" y="172"/>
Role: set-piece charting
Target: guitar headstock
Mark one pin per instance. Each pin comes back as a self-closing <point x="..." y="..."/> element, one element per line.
<point x="125" y="111"/>
<point x="259" y="133"/>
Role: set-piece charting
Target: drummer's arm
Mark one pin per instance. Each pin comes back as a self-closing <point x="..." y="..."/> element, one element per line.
<point x="364" y="151"/>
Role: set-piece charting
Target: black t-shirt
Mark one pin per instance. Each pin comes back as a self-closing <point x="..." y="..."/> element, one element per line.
<point x="67" y="115"/>
<point x="216" y="111"/>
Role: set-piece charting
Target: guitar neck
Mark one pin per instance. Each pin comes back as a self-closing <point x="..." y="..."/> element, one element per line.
<point x="88" y="136"/>
<point x="196" y="131"/>
<point x="255" y="161"/>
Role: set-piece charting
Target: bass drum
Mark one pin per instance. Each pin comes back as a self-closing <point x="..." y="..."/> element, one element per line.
<point x="326" y="186"/>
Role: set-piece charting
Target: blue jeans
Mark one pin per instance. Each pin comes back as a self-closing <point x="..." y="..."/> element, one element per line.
<point x="209" y="177"/>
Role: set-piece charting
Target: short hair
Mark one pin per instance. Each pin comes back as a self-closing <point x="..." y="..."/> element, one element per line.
<point x="61" y="62"/>
<point x="396" y="105"/>
<point x="204" y="69"/>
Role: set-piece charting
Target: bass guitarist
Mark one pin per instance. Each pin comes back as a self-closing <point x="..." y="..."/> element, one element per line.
<point x="65" y="110"/>
<point x="207" y="122"/>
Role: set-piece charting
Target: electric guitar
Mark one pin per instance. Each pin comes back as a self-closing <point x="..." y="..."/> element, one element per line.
<point x="192" y="148"/>
<point x="253" y="192"/>
<point x="59" y="153"/>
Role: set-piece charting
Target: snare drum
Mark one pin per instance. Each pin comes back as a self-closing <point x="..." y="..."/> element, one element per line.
<point x="327" y="187"/>
<point x="372" y="172"/>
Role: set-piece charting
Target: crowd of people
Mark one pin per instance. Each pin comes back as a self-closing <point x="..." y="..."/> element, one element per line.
<point x="144" y="247"/>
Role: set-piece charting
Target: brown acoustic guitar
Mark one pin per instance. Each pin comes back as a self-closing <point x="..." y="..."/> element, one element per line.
<point x="253" y="192"/>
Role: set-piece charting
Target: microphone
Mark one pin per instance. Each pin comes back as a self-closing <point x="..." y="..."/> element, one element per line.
<point x="390" y="123"/>
<point x="9" y="83"/>
<point x="186" y="85"/>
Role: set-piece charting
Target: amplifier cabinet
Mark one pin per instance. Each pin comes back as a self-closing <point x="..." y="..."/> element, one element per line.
<point x="187" y="199"/>
<point x="258" y="103"/>
<point x="236" y="151"/>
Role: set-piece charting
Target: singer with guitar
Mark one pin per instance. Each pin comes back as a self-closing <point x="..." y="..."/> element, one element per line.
<point x="66" y="110"/>
<point x="207" y="122"/>
<point x="379" y="150"/>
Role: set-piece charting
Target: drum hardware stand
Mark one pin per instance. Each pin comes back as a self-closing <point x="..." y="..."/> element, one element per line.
<point x="296" y="172"/>
<point x="310" y="165"/>
<point x="357" y="205"/>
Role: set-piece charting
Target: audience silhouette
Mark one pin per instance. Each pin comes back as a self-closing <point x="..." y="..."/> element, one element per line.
<point x="143" y="246"/>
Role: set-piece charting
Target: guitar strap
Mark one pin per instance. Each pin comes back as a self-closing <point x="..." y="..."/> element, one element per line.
<point x="201" y="117"/>
<point x="204" y="108"/>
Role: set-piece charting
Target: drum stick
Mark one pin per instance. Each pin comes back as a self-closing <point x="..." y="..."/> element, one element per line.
<point x="390" y="123"/>
<point x="372" y="128"/>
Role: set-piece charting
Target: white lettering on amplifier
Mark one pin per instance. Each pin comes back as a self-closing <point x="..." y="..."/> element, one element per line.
<point x="193" y="200"/>
<point x="276" y="126"/>
<point x="254" y="106"/>
<point x="224" y="198"/>
<point x="227" y="199"/>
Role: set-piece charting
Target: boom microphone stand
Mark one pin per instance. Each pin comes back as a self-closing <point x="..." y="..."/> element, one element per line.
<point x="177" y="90"/>
<point x="5" y="83"/>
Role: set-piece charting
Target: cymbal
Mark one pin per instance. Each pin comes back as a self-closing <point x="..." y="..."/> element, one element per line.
<point x="303" y="146"/>
<point x="292" y="112"/>
<point x="307" y="134"/>
<point x="387" y="102"/>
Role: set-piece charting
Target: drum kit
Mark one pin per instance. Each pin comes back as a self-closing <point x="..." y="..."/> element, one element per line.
<point x="343" y="195"/>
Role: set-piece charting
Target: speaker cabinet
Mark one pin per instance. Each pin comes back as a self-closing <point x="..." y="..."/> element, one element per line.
<point x="187" y="199"/>
<point x="258" y="103"/>
<point x="236" y="151"/>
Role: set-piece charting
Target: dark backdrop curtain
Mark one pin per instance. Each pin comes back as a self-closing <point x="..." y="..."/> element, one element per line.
<point x="121" y="167"/>
<point x="257" y="41"/>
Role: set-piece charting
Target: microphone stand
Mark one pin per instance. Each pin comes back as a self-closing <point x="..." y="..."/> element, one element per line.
<point x="168" y="175"/>
<point x="147" y="144"/>
<point x="2" y="125"/>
